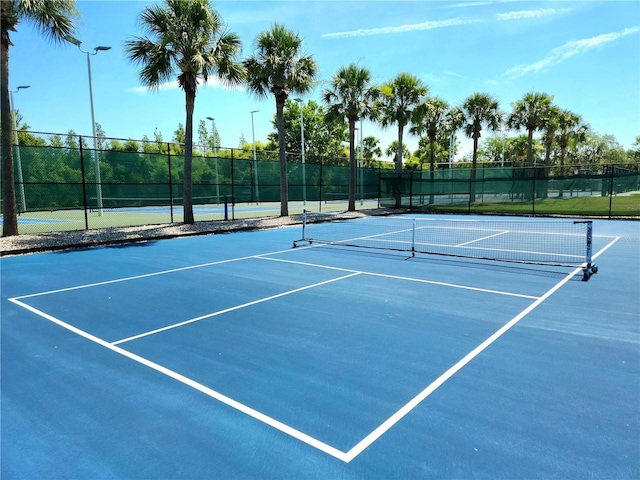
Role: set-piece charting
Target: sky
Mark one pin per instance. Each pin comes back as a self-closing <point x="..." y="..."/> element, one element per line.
<point x="586" y="54"/>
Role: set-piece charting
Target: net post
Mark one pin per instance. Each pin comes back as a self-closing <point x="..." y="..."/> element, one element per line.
<point x="589" y="269"/>
<point x="413" y="239"/>
<point x="304" y="229"/>
<point x="589" y="243"/>
<point x="304" y="224"/>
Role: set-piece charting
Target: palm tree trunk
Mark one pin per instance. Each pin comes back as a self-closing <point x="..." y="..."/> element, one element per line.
<point x="562" y="153"/>
<point x="528" y="192"/>
<point x="474" y="163"/>
<point x="284" y="184"/>
<point x="399" y="152"/>
<point x="352" y="166"/>
<point x="432" y="155"/>
<point x="188" y="160"/>
<point x="10" y="217"/>
<point x="398" y="183"/>
<point x="544" y="183"/>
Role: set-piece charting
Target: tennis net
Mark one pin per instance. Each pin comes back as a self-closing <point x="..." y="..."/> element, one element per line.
<point x="556" y="243"/>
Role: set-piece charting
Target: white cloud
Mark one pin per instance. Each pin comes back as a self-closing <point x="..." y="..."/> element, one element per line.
<point x="402" y="28"/>
<point x="568" y="50"/>
<point x="477" y="3"/>
<point x="541" y="12"/>
<point x="211" y="82"/>
<point x="443" y="78"/>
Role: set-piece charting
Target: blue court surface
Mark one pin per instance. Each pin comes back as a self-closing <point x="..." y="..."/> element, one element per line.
<point x="237" y="356"/>
<point x="35" y="221"/>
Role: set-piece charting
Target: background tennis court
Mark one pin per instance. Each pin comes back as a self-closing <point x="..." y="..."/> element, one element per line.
<point x="237" y="356"/>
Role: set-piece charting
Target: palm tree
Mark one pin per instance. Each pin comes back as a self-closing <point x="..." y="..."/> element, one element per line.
<point x="353" y="97"/>
<point x="479" y="109"/>
<point x="55" y="20"/>
<point x="454" y="120"/>
<point x="370" y="149"/>
<point x="431" y="118"/>
<point x="570" y="127"/>
<point x="531" y="112"/>
<point x="279" y="67"/>
<point x="187" y="38"/>
<point x="399" y="99"/>
<point x="549" y="135"/>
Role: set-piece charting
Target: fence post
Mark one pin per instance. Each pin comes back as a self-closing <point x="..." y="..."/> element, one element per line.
<point x="379" y="185"/>
<point x="320" y="186"/>
<point x="233" y="191"/>
<point x="533" y="192"/>
<point x="84" y="186"/>
<point x="410" y="191"/>
<point x="471" y="189"/>
<point x="252" y="183"/>
<point x="170" y="183"/>
<point x="482" y="189"/>
<point x="612" y="168"/>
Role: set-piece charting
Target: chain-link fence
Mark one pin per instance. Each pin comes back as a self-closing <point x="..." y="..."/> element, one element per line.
<point x="614" y="191"/>
<point x="70" y="183"/>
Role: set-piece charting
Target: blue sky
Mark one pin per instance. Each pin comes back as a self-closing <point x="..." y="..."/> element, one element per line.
<point x="584" y="53"/>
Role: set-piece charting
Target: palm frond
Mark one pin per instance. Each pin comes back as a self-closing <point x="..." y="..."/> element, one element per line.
<point x="53" y="18"/>
<point x="185" y="38"/>
<point x="277" y="66"/>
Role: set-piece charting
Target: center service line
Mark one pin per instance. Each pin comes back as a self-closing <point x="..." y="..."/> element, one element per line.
<point x="231" y="309"/>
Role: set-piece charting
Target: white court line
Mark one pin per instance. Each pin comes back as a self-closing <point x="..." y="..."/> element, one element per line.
<point x="397" y="277"/>
<point x="482" y="238"/>
<point x="328" y="449"/>
<point x="396" y="417"/>
<point x="303" y="437"/>
<point x="231" y="309"/>
<point x="509" y="250"/>
<point x="153" y="274"/>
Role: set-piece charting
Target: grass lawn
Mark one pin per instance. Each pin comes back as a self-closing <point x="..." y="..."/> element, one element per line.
<point x="627" y="205"/>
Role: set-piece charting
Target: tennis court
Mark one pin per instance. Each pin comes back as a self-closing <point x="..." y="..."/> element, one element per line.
<point x="239" y="356"/>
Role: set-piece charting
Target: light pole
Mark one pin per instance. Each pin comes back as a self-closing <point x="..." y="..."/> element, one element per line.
<point x="304" y="176"/>
<point x="215" y="156"/>
<point x="22" y="207"/>
<point x="504" y="141"/>
<point x="255" y="162"/>
<point x="97" y="49"/>
<point x="361" y="163"/>
<point x="451" y="145"/>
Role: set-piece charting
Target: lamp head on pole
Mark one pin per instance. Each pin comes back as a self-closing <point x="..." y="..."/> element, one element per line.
<point x="254" y="111"/>
<point x="73" y="40"/>
<point x="210" y="118"/>
<point x="78" y="43"/>
<point x="22" y="86"/>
